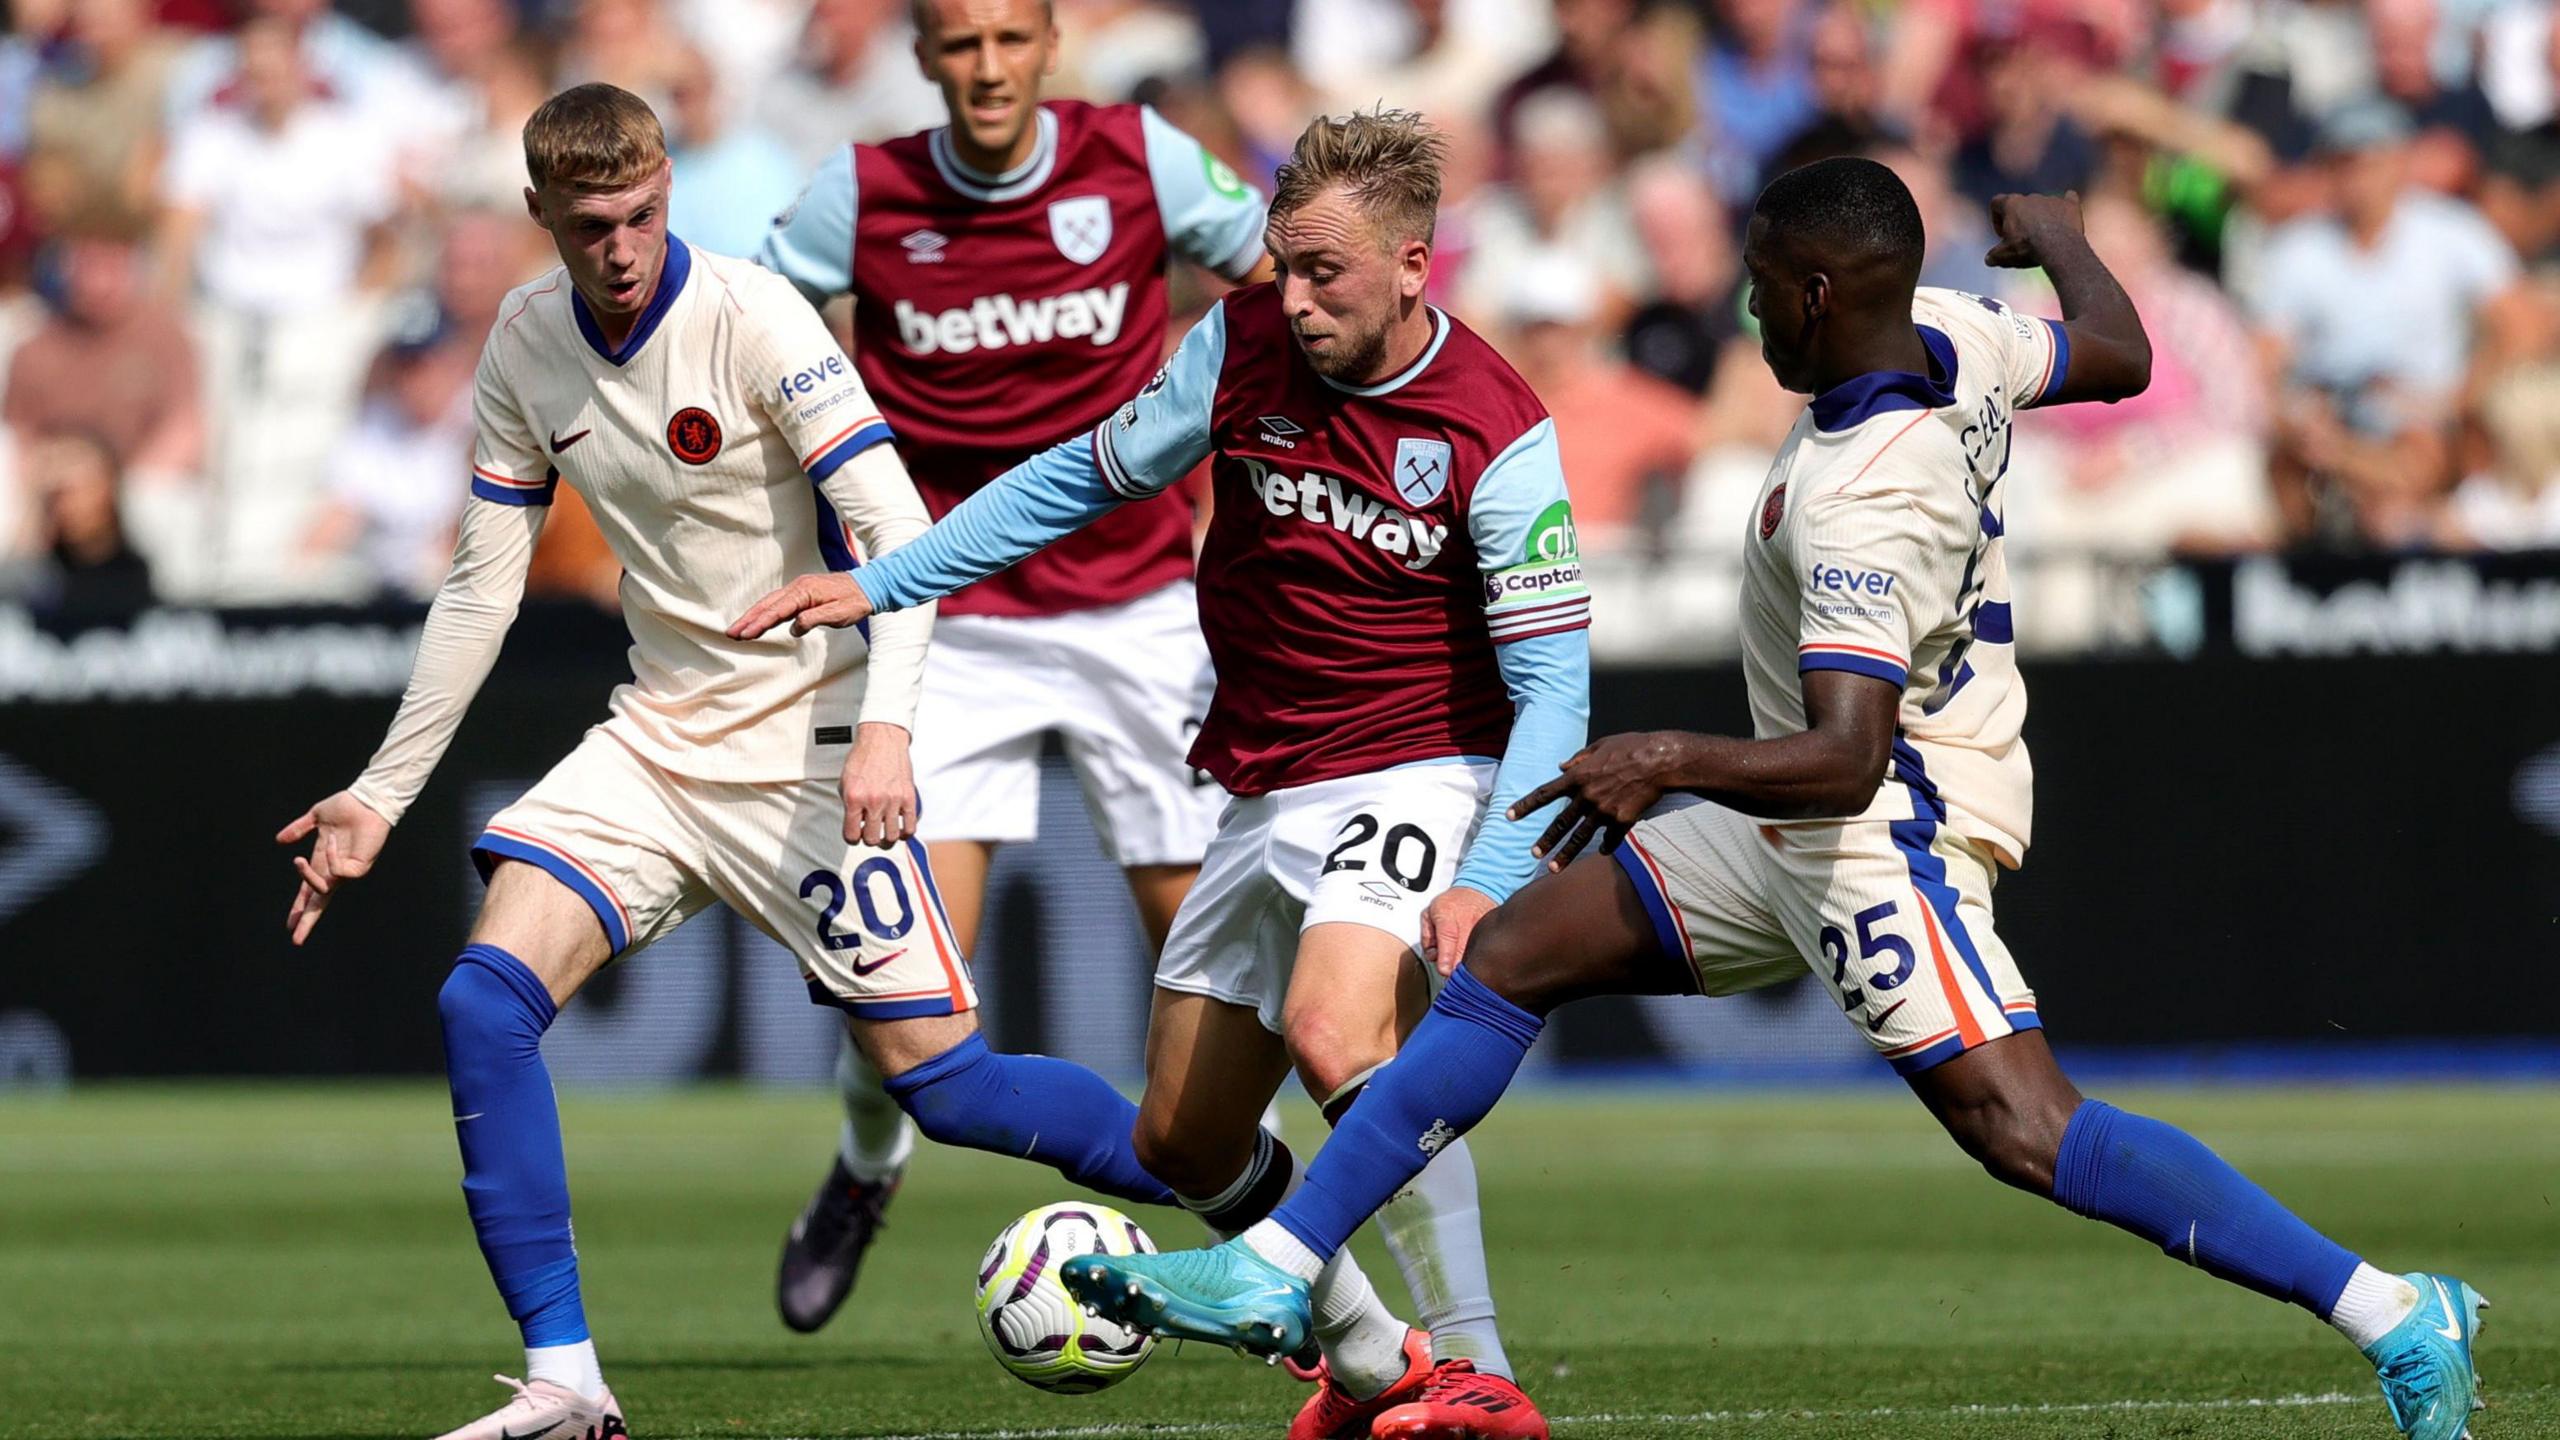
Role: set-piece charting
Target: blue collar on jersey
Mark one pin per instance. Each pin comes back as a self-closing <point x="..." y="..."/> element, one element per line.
<point x="670" y="284"/>
<point x="1862" y="398"/>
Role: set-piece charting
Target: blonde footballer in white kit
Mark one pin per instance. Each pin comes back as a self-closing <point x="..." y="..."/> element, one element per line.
<point x="724" y="445"/>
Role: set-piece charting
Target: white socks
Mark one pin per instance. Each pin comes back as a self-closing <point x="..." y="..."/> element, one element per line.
<point x="1273" y="1242"/>
<point x="878" y="1137"/>
<point x="2374" y="1303"/>
<point x="571" y="1367"/>
<point x="1433" y="1229"/>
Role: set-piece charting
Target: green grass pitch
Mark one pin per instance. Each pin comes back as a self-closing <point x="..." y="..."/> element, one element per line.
<point x="227" y="1261"/>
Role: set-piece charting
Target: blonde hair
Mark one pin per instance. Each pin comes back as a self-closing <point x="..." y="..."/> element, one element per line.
<point x="1386" y="161"/>
<point x="593" y="138"/>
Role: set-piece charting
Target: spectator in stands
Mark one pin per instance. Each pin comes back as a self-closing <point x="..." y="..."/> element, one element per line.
<point x="459" y="52"/>
<point x="88" y="575"/>
<point x="1757" y="80"/>
<point x="1627" y="438"/>
<point x="1589" y="34"/>
<point x="1695" y="310"/>
<point x="2513" y="502"/>
<point x="731" y="178"/>
<point x="854" y="77"/>
<point x="2181" y="466"/>
<point x="1841" y="70"/>
<point x="2027" y="144"/>
<point x="1443" y="58"/>
<point x="2454" y="123"/>
<point x="392" y="502"/>
<point x="481" y="255"/>
<point x="1958" y="230"/>
<point x="339" y="56"/>
<point x="277" y="207"/>
<point x="1564" y="196"/>
<point x="110" y="364"/>
<point x="630" y="43"/>
<point x="2378" y="319"/>
<point x="94" y="126"/>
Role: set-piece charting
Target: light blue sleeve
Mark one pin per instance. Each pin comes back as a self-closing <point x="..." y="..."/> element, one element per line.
<point x="1212" y="218"/>
<point x="1163" y="431"/>
<point x="811" y="243"/>
<point x="1045" y="498"/>
<point x="1146" y="445"/>
<point x="1538" y="612"/>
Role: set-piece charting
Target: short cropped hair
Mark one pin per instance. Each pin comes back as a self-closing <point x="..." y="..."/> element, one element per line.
<point x="593" y="138"/>
<point x="1847" y="206"/>
<point x="1387" y="161"/>
<point x="920" y="14"/>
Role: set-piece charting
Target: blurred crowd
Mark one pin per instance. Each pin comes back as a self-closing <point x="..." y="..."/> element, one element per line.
<point x="249" y="248"/>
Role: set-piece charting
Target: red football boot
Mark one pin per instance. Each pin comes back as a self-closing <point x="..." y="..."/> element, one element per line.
<point x="1331" y="1413"/>
<point x="1459" y="1404"/>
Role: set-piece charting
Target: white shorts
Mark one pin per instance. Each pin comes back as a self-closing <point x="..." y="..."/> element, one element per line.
<point x="1895" y="916"/>
<point x="1370" y="850"/>
<point x="647" y="850"/>
<point x="1124" y="686"/>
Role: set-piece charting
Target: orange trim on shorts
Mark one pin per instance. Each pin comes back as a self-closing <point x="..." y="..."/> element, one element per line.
<point x="1662" y="886"/>
<point x="1966" y="1025"/>
<point x="583" y="868"/>
<point x="935" y="924"/>
<point x="1924" y="1043"/>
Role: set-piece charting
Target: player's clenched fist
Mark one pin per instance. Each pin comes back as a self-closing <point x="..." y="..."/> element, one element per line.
<point x="2026" y="223"/>
<point x="809" y="602"/>
<point x="1608" y="786"/>
<point x="879" y="787"/>
<point x="349" y="835"/>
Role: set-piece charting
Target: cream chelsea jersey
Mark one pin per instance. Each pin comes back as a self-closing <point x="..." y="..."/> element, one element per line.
<point x="724" y="447"/>
<point x="1876" y="549"/>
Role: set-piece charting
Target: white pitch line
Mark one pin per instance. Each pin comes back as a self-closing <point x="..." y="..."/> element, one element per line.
<point x="1168" y="1430"/>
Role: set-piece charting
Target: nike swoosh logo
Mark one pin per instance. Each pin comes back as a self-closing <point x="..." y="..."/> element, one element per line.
<point x="1876" y="1025"/>
<point x="861" y="969"/>
<point x="2451" y="1329"/>
<point x="560" y="443"/>
<point x="528" y="1435"/>
<point x="474" y="1115"/>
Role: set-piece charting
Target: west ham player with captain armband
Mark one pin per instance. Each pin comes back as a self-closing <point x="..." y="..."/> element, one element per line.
<point x="1392" y="598"/>
<point x="723" y="444"/>
<point x="1008" y="274"/>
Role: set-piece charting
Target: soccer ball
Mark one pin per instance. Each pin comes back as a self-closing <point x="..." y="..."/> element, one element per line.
<point x="1037" y="1331"/>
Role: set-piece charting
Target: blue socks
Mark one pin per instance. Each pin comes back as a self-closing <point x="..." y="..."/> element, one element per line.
<point x="1032" y="1107"/>
<point x="1444" y="1081"/>
<point x="513" y="1176"/>
<point x="2162" y="1184"/>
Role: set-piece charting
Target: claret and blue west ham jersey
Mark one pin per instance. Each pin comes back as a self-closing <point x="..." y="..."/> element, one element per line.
<point x="1876" y="549"/>
<point x="1390" y="576"/>
<point x="998" y="314"/>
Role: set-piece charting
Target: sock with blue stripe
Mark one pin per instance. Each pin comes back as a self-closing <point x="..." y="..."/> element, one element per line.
<point x="1031" y="1107"/>
<point x="514" y="1178"/>
<point x="2162" y="1184"/>
<point x="1447" y="1078"/>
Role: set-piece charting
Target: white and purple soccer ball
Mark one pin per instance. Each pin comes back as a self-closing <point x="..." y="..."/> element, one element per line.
<point x="1037" y="1331"/>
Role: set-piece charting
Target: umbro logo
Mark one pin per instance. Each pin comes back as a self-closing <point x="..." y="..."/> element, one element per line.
<point x="1437" y="1138"/>
<point x="924" y="247"/>
<point x="1276" y="430"/>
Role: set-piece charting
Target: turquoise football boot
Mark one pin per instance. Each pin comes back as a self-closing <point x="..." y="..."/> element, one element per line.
<point x="2425" y="1362"/>
<point x="1226" y="1296"/>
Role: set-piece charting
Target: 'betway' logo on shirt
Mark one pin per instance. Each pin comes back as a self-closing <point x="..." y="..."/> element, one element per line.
<point x="1325" y="500"/>
<point x="992" y="322"/>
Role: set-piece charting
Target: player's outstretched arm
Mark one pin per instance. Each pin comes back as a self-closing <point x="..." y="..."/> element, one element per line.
<point x="2109" y="355"/>
<point x="1830" y="769"/>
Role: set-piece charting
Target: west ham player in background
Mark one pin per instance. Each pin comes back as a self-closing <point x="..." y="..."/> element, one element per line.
<point x="1861" y="832"/>
<point x="1396" y="610"/>
<point x="1008" y="274"/>
<point x="718" y="435"/>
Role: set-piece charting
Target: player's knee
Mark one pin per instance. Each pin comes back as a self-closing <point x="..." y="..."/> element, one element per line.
<point x="1188" y="1163"/>
<point x="1501" y="958"/>
<point x="486" y="1012"/>
<point x="1330" y="1050"/>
